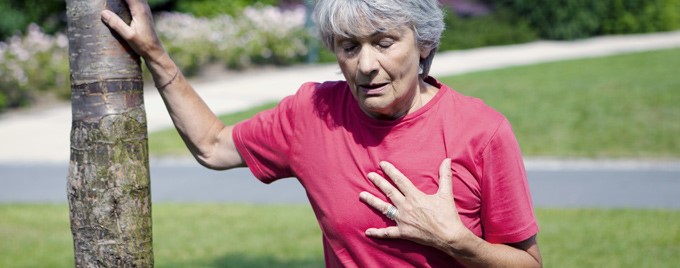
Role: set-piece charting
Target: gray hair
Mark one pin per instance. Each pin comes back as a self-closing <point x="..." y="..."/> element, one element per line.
<point x="349" y="18"/>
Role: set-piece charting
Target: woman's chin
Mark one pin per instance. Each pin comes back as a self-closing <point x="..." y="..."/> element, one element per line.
<point x="376" y="109"/>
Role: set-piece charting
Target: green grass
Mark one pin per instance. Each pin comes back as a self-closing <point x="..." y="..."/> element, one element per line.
<point x="617" y="106"/>
<point x="232" y="235"/>
<point x="212" y="235"/>
<point x="609" y="238"/>
<point x="185" y="235"/>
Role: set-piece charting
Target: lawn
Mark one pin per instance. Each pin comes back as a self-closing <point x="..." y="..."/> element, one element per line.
<point x="617" y="106"/>
<point x="233" y="235"/>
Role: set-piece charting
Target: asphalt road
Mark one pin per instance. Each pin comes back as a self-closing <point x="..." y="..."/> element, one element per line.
<point x="552" y="186"/>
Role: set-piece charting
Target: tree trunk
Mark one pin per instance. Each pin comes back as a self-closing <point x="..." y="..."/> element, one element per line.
<point x="108" y="182"/>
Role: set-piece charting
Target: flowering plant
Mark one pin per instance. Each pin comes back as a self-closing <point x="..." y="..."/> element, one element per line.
<point x="35" y="61"/>
<point x="265" y="35"/>
<point x="260" y="36"/>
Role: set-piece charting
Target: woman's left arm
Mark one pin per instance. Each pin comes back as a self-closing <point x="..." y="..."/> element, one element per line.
<point x="433" y="220"/>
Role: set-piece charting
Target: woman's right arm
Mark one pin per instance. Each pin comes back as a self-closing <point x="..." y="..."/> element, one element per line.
<point x="208" y="139"/>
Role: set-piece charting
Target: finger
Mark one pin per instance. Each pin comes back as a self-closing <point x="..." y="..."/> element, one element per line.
<point x="117" y="24"/>
<point x="445" y="178"/>
<point x="389" y="232"/>
<point x="404" y="184"/>
<point x="386" y="187"/>
<point x="375" y="202"/>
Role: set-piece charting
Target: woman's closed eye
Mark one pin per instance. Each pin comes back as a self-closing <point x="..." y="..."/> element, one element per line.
<point x="348" y="47"/>
<point x="385" y="43"/>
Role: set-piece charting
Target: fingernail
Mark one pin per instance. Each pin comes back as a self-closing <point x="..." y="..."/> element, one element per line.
<point x="105" y="16"/>
<point x="362" y="195"/>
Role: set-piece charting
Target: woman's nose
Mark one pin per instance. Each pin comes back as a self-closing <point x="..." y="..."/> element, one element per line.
<point x="368" y="62"/>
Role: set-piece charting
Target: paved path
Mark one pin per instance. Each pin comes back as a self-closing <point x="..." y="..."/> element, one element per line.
<point x="43" y="135"/>
<point x="563" y="184"/>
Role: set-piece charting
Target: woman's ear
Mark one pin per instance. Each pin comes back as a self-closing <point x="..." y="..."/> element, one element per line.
<point x="425" y="52"/>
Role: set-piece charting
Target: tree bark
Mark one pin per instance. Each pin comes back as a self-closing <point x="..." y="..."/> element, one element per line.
<point x="108" y="182"/>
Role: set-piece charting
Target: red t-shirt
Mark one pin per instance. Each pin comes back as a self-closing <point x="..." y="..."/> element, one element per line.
<point x="321" y="136"/>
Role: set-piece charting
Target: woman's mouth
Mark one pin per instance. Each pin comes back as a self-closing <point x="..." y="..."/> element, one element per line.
<point x="373" y="89"/>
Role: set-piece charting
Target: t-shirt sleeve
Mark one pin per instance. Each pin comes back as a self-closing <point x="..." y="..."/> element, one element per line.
<point x="507" y="210"/>
<point x="264" y="141"/>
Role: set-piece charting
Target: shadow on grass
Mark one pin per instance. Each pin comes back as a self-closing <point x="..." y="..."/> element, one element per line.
<point x="240" y="260"/>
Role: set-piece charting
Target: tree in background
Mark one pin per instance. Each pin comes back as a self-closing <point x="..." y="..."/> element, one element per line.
<point x="108" y="182"/>
<point x="16" y="15"/>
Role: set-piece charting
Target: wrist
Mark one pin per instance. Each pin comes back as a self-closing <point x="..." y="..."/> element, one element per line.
<point x="163" y="70"/>
<point x="161" y="86"/>
<point x="464" y="244"/>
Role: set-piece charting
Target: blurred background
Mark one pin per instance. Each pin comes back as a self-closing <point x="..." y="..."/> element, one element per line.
<point x="240" y="34"/>
<point x="601" y="133"/>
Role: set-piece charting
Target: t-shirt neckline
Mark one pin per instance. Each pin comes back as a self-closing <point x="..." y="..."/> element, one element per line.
<point x="411" y="116"/>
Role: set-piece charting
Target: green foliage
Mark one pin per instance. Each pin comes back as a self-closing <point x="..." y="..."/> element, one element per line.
<point x="565" y="19"/>
<point x="258" y="36"/>
<point x="572" y="19"/>
<point x="16" y="15"/>
<point x="33" y="64"/>
<point x="155" y="3"/>
<point x="214" y="8"/>
<point x="639" y="16"/>
<point x="499" y="28"/>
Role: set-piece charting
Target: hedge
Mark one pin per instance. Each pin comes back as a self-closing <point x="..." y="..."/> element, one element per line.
<point x="572" y="19"/>
<point x="215" y="8"/>
<point x="494" y="29"/>
<point x="16" y="15"/>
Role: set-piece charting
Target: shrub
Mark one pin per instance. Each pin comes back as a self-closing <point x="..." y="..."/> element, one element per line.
<point x="640" y="16"/>
<point x="499" y="28"/>
<point x="34" y="62"/>
<point x="273" y="36"/>
<point x="571" y="19"/>
<point x="216" y="8"/>
<point x="565" y="19"/>
<point x="18" y="14"/>
<point x="191" y="41"/>
<point x="37" y="62"/>
<point x="264" y="35"/>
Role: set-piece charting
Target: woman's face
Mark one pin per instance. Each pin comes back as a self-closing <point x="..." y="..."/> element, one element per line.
<point x="381" y="69"/>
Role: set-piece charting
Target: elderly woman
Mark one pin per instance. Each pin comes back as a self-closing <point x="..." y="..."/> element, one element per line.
<point x="369" y="150"/>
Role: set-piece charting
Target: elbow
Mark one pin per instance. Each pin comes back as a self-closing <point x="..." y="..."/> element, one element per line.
<point x="214" y="162"/>
<point x="218" y="151"/>
<point x="208" y="163"/>
<point x="203" y="154"/>
<point x="220" y="158"/>
<point x="539" y="262"/>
